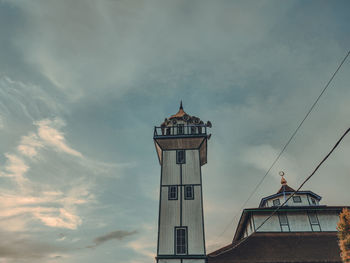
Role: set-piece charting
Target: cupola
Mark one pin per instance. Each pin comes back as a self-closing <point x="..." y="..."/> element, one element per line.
<point x="301" y="198"/>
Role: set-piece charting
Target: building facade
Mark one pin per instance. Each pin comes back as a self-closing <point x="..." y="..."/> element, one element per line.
<point x="181" y="145"/>
<point x="302" y="230"/>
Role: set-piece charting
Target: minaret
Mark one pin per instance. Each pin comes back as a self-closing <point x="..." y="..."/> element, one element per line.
<point x="181" y="145"/>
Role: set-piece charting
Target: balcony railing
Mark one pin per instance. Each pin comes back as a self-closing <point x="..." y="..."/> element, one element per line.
<point x="180" y="131"/>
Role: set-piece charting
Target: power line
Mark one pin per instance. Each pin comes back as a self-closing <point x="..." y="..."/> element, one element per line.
<point x="279" y="207"/>
<point x="286" y="144"/>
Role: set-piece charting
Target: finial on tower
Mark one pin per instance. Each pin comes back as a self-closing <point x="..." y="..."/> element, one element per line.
<point x="181" y="108"/>
<point x="283" y="180"/>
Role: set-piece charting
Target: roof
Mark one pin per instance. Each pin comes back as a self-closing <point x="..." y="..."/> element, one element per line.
<point x="285" y="188"/>
<point x="182" y="115"/>
<point x="288" y="192"/>
<point x="247" y="213"/>
<point x="281" y="247"/>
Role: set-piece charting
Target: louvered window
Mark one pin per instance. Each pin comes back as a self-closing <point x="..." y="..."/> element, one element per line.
<point x="172" y="192"/>
<point x="180" y="156"/>
<point x="181" y="240"/>
<point x="189" y="193"/>
<point x="283" y="222"/>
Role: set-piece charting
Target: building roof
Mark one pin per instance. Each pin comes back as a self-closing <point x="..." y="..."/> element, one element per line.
<point x="285" y="188"/>
<point x="280" y="193"/>
<point x="183" y="116"/>
<point x="247" y="213"/>
<point x="180" y="113"/>
<point x="280" y="247"/>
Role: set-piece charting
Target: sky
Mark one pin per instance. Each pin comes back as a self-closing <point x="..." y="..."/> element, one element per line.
<point x="83" y="83"/>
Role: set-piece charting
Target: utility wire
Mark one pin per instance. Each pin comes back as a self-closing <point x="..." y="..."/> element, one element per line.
<point x="286" y="145"/>
<point x="279" y="207"/>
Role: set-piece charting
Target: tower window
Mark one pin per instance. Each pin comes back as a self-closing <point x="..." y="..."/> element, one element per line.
<point x="296" y="199"/>
<point x="181" y="240"/>
<point x="180" y="156"/>
<point x="172" y="192"/>
<point x="276" y="202"/>
<point x="180" y="129"/>
<point x="189" y="193"/>
<point x="283" y="222"/>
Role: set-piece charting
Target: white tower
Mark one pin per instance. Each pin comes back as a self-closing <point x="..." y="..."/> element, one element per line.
<point x="181" y="144"/>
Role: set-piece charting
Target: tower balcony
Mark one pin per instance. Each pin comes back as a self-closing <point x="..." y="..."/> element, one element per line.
<point x="184" y="137"/>
<point x="180" y="131"/>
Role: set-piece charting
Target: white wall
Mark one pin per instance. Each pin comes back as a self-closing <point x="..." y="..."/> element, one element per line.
<point x="298" y="221"/>
<point x="272" y="225"/>
<point x="192" y="218"/>
<point x="169" y="218"/>
<point x="328" y="220"/>
<point x="170" y="212"/>
<point x="170" y="169"/>
<point x="191" y="169"/>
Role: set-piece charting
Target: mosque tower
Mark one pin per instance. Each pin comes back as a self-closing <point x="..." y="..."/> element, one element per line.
<point x="181" y="145"/>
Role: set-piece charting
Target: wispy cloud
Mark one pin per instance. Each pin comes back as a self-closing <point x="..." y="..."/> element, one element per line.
<point x="53" y="209"/>
<point x="114" y="235"/>
<point x="15" y="166"/>
<point x="15" y="248"/>
<point x="29" y="145"/>
<point x="261" y="156"/>
<point x="143" y="246"/>
<point x="30" y="200"/>
<point x="51" y="136"/>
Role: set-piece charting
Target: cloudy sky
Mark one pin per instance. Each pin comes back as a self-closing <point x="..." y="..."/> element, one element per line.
<point x="83" y="83"/>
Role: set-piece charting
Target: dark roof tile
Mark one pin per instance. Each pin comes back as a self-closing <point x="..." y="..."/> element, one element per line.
<point x="281" y="247"/>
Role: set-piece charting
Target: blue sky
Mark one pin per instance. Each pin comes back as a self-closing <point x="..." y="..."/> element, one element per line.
<point x="83" y="83"/>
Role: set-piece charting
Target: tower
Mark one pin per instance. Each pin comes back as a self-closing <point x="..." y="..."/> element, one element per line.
<point x="181" y="145"/>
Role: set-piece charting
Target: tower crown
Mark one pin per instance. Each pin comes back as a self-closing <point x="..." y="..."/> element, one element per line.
<point x="182" y="131"/>
<point x="182" y="124"/>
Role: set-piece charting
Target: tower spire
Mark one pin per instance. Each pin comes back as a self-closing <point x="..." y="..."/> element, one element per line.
<point x="283" y="180"/>
<point x="181" y="108"/>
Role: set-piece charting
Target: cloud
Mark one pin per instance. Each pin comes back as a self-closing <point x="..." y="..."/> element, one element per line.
<point x="29" y="145"/>
<point x="53" y="137"/>
<point x="53" y="209"/>
<point x="18" y="247"/>
<point x="55" y="202"/>
<point x="15" y="166"/>
<point x="144" y="245"/>
<point x="257" y="60"/>
<point x="2" y="125"/>
<point x="29" y="200"/>
<point x="118" y="235"/>
<point x="261" y="157"/>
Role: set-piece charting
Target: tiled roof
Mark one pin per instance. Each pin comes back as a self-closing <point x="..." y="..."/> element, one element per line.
<point x="179" y="114"/>
<point x="289" y="247"/>
<point x="285" y="188"/>
<point x="182" y="115"/>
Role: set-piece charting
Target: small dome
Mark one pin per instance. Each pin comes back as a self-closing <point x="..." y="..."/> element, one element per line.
<point x="182" y="117"/>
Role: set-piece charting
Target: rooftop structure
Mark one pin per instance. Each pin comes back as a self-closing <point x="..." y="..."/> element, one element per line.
<point x="302" y="230"/>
